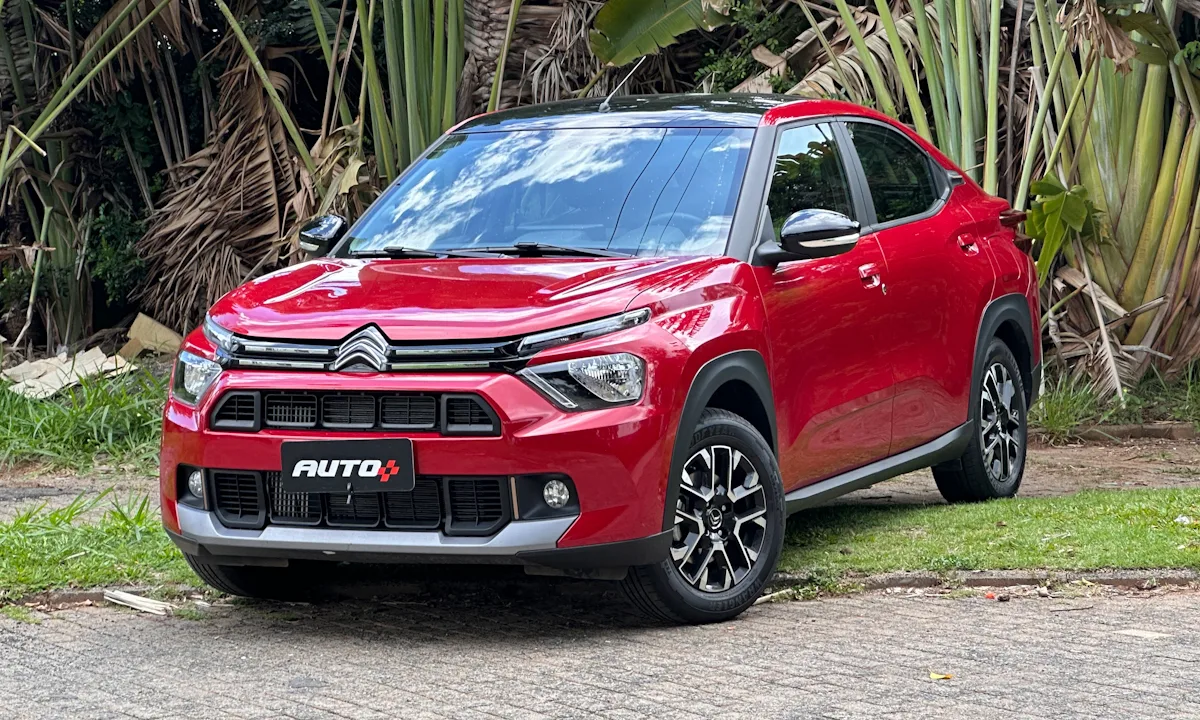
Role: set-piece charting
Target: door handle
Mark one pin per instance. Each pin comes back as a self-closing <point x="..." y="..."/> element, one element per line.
<point x="968" y="244"/>
<point x="870" y="276"/>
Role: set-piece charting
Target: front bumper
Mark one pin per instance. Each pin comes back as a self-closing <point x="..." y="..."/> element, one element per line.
<point x="530" y="542"/>
<point x="617" y="458"/>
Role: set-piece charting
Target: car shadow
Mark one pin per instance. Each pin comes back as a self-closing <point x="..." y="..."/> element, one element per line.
<point x="427" y="604"/>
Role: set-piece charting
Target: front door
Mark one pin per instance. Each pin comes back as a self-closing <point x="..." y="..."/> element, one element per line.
<point x="825" y="318"/>
<point x="939" y="281"/>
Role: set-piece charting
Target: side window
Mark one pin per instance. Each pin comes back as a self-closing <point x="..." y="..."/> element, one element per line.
<point x="899" y="174"/>
<point x="808" y="175"/>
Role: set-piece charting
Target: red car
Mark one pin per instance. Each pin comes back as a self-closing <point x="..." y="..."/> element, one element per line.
<point x="620" y="340"/>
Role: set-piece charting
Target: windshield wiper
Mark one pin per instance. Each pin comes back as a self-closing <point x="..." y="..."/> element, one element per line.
<point x="406" y="252"/>
<point x="537" y="249"/>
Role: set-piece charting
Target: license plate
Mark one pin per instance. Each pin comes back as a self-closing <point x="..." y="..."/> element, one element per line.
<point x="338" y="466"/>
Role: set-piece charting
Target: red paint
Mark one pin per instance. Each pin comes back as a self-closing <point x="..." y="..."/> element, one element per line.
<point x="857" y="373"/>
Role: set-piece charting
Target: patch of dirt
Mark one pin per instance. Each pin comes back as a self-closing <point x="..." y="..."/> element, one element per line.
<point x="30" y="485"/>
<point x="1064" y="470"/>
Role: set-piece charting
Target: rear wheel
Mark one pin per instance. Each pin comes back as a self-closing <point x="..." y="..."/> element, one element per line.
<point x="994" y="461"/>
<point x="729" y="527"/>
<point x="267" y="583"/>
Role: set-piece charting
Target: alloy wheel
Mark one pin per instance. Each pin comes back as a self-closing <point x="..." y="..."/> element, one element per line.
<point x="720" y="519"/>
<point x="1000" y="424"/>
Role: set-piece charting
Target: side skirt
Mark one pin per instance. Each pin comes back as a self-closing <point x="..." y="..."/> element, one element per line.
<point x="941" y="449"/>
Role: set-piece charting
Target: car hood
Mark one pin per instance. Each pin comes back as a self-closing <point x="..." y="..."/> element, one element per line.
<point x="443" y="299"/>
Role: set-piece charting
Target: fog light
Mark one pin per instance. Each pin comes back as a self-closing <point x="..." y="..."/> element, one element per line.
<point x="556" y="494"/>
<point x="196" y="483"/>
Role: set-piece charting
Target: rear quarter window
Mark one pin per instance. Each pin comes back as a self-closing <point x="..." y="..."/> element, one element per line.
<point x="899" y="174"/>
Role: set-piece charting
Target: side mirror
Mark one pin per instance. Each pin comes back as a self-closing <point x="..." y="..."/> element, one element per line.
<point x="319" y="234"/>
<point x="811" y="234"/>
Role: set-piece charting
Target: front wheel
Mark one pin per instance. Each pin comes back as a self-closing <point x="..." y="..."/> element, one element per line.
<point x="994" y="461"/>
<point x="729" y="527"/>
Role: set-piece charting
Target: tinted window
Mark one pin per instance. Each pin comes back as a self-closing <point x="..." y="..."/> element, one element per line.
<point x="652" y="191"/>
<point x="808" y="175"/>
<point x="898" y="172"/>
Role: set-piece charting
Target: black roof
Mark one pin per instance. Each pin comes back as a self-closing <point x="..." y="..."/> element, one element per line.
<point x="634" y="111"/>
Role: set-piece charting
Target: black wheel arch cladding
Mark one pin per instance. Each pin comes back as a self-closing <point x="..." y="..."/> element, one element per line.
<point x="999" y="319"/>
<point x="744" y="366"/>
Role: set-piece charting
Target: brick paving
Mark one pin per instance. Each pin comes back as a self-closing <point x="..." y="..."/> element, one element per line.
<point x="542" y="648"/>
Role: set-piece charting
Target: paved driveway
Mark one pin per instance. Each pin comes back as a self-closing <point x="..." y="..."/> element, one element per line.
<point x="540" y="648"/>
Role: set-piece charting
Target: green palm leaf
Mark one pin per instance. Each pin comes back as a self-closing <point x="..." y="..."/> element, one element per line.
<point x="628" y="29"/>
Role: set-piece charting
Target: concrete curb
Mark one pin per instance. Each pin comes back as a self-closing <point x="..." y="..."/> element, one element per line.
<point x="1159" y="430"/>
<point x="1143" y="579"/>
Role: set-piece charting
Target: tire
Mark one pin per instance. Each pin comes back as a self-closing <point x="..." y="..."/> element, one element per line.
<point x="671" y="590"/>
<point x="264" y="583"/>
<point x="982" y="473"/>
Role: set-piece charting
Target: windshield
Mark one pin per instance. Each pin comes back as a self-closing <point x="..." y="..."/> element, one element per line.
<point x="656" y="191"/>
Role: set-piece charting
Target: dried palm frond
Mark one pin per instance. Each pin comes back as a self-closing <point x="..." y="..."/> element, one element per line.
<point x="144" y="50"/>
<point x="826" y="77"/>
<point x="14" y="35"/>
<point x="350" y="180"/>
<point x="232" y="215"/>
<point x="486" y="25"/>
<point x="566" y="62"/>
<point x="1091" y="350"/>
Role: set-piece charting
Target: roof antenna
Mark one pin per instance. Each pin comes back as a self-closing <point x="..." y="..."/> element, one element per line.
<point x="604" y="105"/>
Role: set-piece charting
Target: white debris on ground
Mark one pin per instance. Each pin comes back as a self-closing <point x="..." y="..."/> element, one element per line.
<point x="43" y="378"/>
<point x="137" y="602"/>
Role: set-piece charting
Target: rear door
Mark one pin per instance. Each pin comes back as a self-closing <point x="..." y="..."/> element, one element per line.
<point x="939" y="280"/>
<point x="832" y="384"/>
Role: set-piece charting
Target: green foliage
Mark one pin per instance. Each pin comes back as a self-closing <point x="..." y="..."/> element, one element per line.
<point x="42" y="549"/>
<point x="1090" y="530"/>
<point x="117" y="417"/>
<point x="15" y="284"/>
<point x="112" y="255"/>
<point x="290" y="24"/>
<point x="1054" y="212"/>
<point x="1067" y="403"/>
<point x="625" y="30"/>
<point x="131" y="117"/>
<point x="752" y="26"/>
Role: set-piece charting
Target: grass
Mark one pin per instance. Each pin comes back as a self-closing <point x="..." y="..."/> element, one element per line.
<point x="119" y="419"/>
<point x="1091" y="530"/>
<point x="1069" y="403"/>
<point x="43" y="549"/>
<point x="1141" y="529"/>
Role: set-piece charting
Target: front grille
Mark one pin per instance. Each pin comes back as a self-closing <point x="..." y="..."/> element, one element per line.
<point x="477" y="505"/>
<point x="348" y="411"/>
<point x="455" y="414"/>
<point x="420" y="509"/>
<point x="290" y="410"/>
<point x="466" y="415"/>
<point x="403" y="412"/>
<point x="237" y="411"/>
<point x="291" y="508"/>
<point x="238" y="497"/>
<point x="357" y="510"/>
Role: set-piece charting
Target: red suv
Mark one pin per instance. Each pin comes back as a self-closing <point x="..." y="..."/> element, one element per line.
<point x="618" y="340"/>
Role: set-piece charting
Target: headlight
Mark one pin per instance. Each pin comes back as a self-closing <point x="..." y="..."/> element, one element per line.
<point x="590" y="383"/>
<point x="193" y="376"/>
<point x="540" y="341"/>
<point x="217" y="335"/>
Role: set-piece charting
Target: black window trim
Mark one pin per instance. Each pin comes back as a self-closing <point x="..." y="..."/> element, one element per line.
<point x="858" y="200"/>
<point x="942" y="178"/>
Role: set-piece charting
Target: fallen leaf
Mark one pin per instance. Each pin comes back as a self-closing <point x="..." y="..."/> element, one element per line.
<point x="939" y="676"/>
<point x="990" y="596"/>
